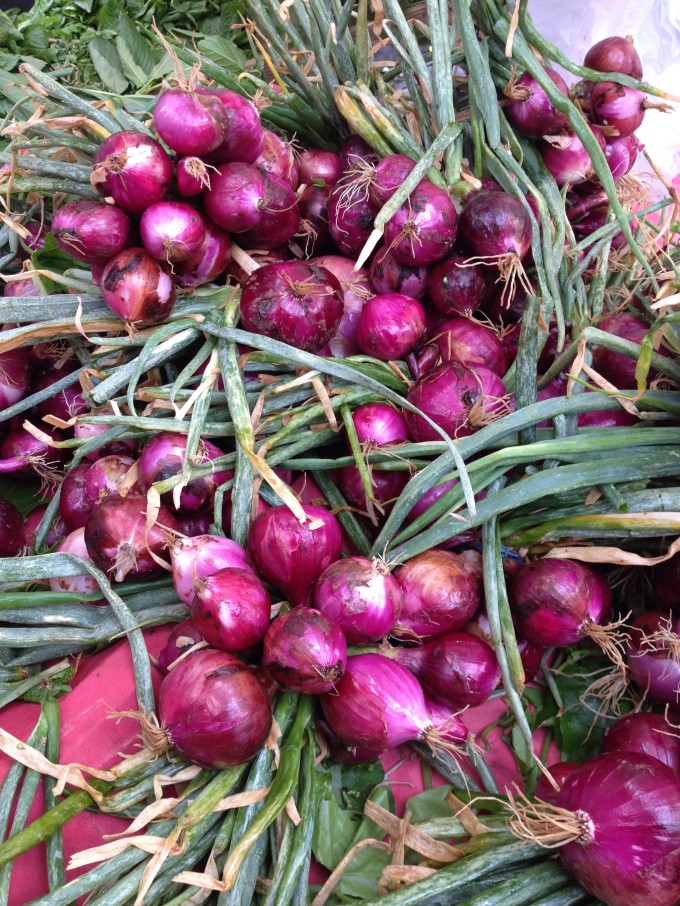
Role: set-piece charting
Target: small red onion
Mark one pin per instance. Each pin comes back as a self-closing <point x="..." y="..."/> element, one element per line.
<point x="315" y="164"/>
<point x="567" y="159"/>
<point x="192" y="176"/>
<point x="361" y="596"/>
<point x="244" y="136"/>
<point x="644" y="732"/>
<point x="457" y="669"/>
<point x="379" y="424"/>
<point x="292" y="556"/>
<point x="214" y="709"/>
<point x="387" y="275"/>
<point x="190" y="122"/>
<point x="614" y="366"/>
<point x="172" y="231"/>
<point x="133" y="169"/>
<point x="387" y="177"/>
<point x="441" y="594"/>
<point x="76" y="585"/>
<point x="183" y="637"/>
<point x="531" y="110"/>
<point x="494" y="224"/>
<point x="617" y="106"/>
<point x="559" y="772"/>
<point x="90" y="231"/>
<point x="355" y="291"/>
<point x="56" y="533"/>
<point x="621" y="154"/>
<point x="280" y="216"/>
<point x="278" y="159"/>
<point x="118" y="541"/>
<point x="424" y="229"/>
<point x="297" y="302"/>
<point x="231" y="609"/>
<point x="137" y="289"/>
<point x="104" y="476"/>
<point x="614" y="54"/>
<point x="20" y="451"/>
<point x="11" y="529"/>
<point x="466" y="340"/>
<point x="314" y="229"/>
<point x="457" y="288"/>
<point x="73" y="506"/>
<point x="209" y="262"/>
<point x="15" y="376"/>
<point x="202" y="556"/>
<point x="389" y="326"/>
<point x="654" y="657"/>
<point x="65" y="404"/>
<point x="350" y="216"/>
<point x="305" y="651"/>
<point x="236" y="197"/>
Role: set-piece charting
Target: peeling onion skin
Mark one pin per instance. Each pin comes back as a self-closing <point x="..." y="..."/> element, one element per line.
<point x="137" y="289"/>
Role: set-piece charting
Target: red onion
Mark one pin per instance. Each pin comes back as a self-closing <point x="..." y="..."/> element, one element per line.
<point x="446" y="722"/>
<point x="388" y="275"/>
<point x="567" y="159"/>
<point x="495" y="224"/>
<point x="379" y="424"/>
<point x="278" y="159"/>
<point x="343" y="752"/>
<point x="621" y="154"/>
<point x="441" y="594"/>
<point x="625" y="848"/>
<point x="314" y="233"/>
<point x="617" y="106"/>
<point x="615" y="367"/>
<point x="350" y="216"/>
<point x="292" y="556"/>
<point x="457" y="538"/>
<point x="355" y="291"/>
<point x="389" y="326"/>
<point x="183" y="637"/>
<point x="315" y="164"/>
<point x="84" y="431"/>
<point x="193" y="524"/>
<point x="456" y="397"/>
<point x="387" y="485"/>
<point x="90" y="231"/>
<point x="531" y="110"/>
<point x="192" y="176"/>
<point x="137" y="289"/>
<point x="231" y="609"/>
<point x="560" y="602"/>
<point x="14" y="288"/>
<point x="361" y="596"/>
<point x="354" y="150"/>
<point x="387" y="177"/>
<point x="56" y="533"/>
<point x="209" y="262"/>
<point x="666" y="585"/>
<point x="190" y="122"/>
<point x="378" y="704"/>
<point x="559" y="771"/>
<point x="280" y="217"/>
<point x="15" y="376"/>
<point x="457" y="669"/>
<point x="73" y="506"/>
<point x="11" y="529"/>
<point x="466" y="340"/>
<point x="65" y="404"/>
<point x="76" y="585"/>
<point x="531" y="655"/>
<point x="654" y="657"/>
<point x="614" y="54"/>
<point x="117" y="539"/>
<point x="244" y="136"/>
<point x="104" y="476"/>
<point x="236" y="197"/>
<point x="424" y="229"/>
<point x="214" y="709"/>
<point x="20" y="451"/>
<point x="172" y="231"/>
<point x="644" y="732"/>
<point x="457" y="288"/>
<point x="133" y="169"/>
<point x="164" y="456"/>
<point x="297" y="302"/>
<point x="305" y="651"/>
<point x="202" y="556"/>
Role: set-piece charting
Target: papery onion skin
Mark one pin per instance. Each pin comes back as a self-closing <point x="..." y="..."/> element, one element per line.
<point x="533" y="113"/>
<point x="200" y="556"/>
<point x="214" y="709"/>
<point x="629" y="854"/>
<point x="361" y="596"/>
<point x="278" y="159"/>
<point x="457" y="288"/>
<point x="305" y="651"/>
<point x="133" y="169"/>
<point x="231" y="609"/>
<point x="137" y="289"/>
<point x="104" y="477"/>
<point x="389" y="326"/>
<point x="645" y="732"/>
<point x="424" y="229"/>
<point x="90" y="231"/>
<point x="292" y="556"/>
<point x="11" y="529"/>
<point x="472" y="343"/>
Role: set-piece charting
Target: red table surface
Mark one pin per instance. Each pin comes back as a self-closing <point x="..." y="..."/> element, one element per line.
<point x="103" y="684"/>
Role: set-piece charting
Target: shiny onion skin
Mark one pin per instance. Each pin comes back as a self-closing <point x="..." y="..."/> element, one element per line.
<point x="244" y="136"/>
<point x="567" y="159"/>
<point x="296" y="302"/>
<point x="530" y="109"/>
<point x="379" y="424"/>
<point x="189" y="122"/>
<point x="200" y="556"/>
<point x="628" y="805"/>
<point x="457" y="288"/>
<point x="90" y="231"/>
<point x="645" y="732"/>
<point x="172" y="231"/>
<point x="137" y="289"/>
<point x="389" y="326"/>
<point x="292" y="556"/>
<point x="494" y="224"/>
<point x="472" y="343"/>
<point x="231" y="609"/>
<point x="305" y="651"/>
<point x="214" y="709"/>
<point x="235" y="198"/>
<point x="314" y="164"/>
<point x="614" y="54"/>
<point x="133" y="169"/>
<point x="424" y="228"/>
<point x="441" y="593"/>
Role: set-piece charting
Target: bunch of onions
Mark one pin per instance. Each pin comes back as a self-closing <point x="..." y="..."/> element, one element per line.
<point x="361" y="596"/>
<point x="137" y="289"/>
<point x="213" y="710"/>
<point x="201" y="556"/>
<point x="305" y="651"/>
<point x="457" y="287"/>
<point x="389" y="326"/>
<point x="290" y="555"/>
<point x="90" y="231"/>
<point x="133" y="169"/>
<point x="424" y="228"/>
<point x="647" y="733"/>
<point x="531" y="110"/>
<point x="654" y="657"/>
<point x="231" y="609"/>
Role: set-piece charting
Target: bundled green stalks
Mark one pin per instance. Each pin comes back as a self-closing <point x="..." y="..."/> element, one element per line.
<point x="343" y="363"/>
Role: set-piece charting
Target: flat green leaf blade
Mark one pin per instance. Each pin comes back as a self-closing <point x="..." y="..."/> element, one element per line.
<point x="134" y="73"/>
<point x="106" y="60"/>
<point x="224" y="52"/>
<point x="140" y="50"/>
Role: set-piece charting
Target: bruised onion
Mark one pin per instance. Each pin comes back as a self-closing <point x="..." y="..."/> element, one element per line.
<point x="214" y="709"/>
<point x="104" y="476"/>
<point x="190" y="122"/>
<point x="457" y="287"/>
<point x="200" y="556"/>
<point x="278" y="159"/>
<point x="172" y="231"/>
<point x="90" y="231"/>
<point x="231" y="609"/>
<point x="531" y="110"/>
<point x="424" y="228"/>
<point x="389" y="326"/>
<point x="305" y="651"/>
<point x="137" y="289"/>
<point x="133" y="169"/>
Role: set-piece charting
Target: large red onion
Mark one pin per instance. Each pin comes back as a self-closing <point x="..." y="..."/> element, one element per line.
<point x="389" y="326"/>
<point x="90" y="231"/>
<point x="133" y="169"/>
<point x="441" y="593"/>
<point x="231" y="609"/>
<point x="424" y="228"/>
<point x="172" y="231"/>
<point x="466" y="340"/>
<point x="244" y="136"/>
<point x="494" y="224"/>
<point x="214" y="709"/>
<point x="361" y="596"/>
<point x="305" y="651"/>
<point x="236" y="197"/>
<point x="387" y="275"/>
<point x="644" y="732"/>
<point x="379" y="424"/>
<point x="190" y="122"/>
<point x="201" y="556"/>
<point x="137" y="289"/>
<point x="614" y="54"/>
<point x="531" y="110"/>
<point x="11" y="529"/>
<point x="457" y="288"/>
<point x="292" y="556"/>
<point x="297" y="302"/>
<point x="654" y="657"/>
